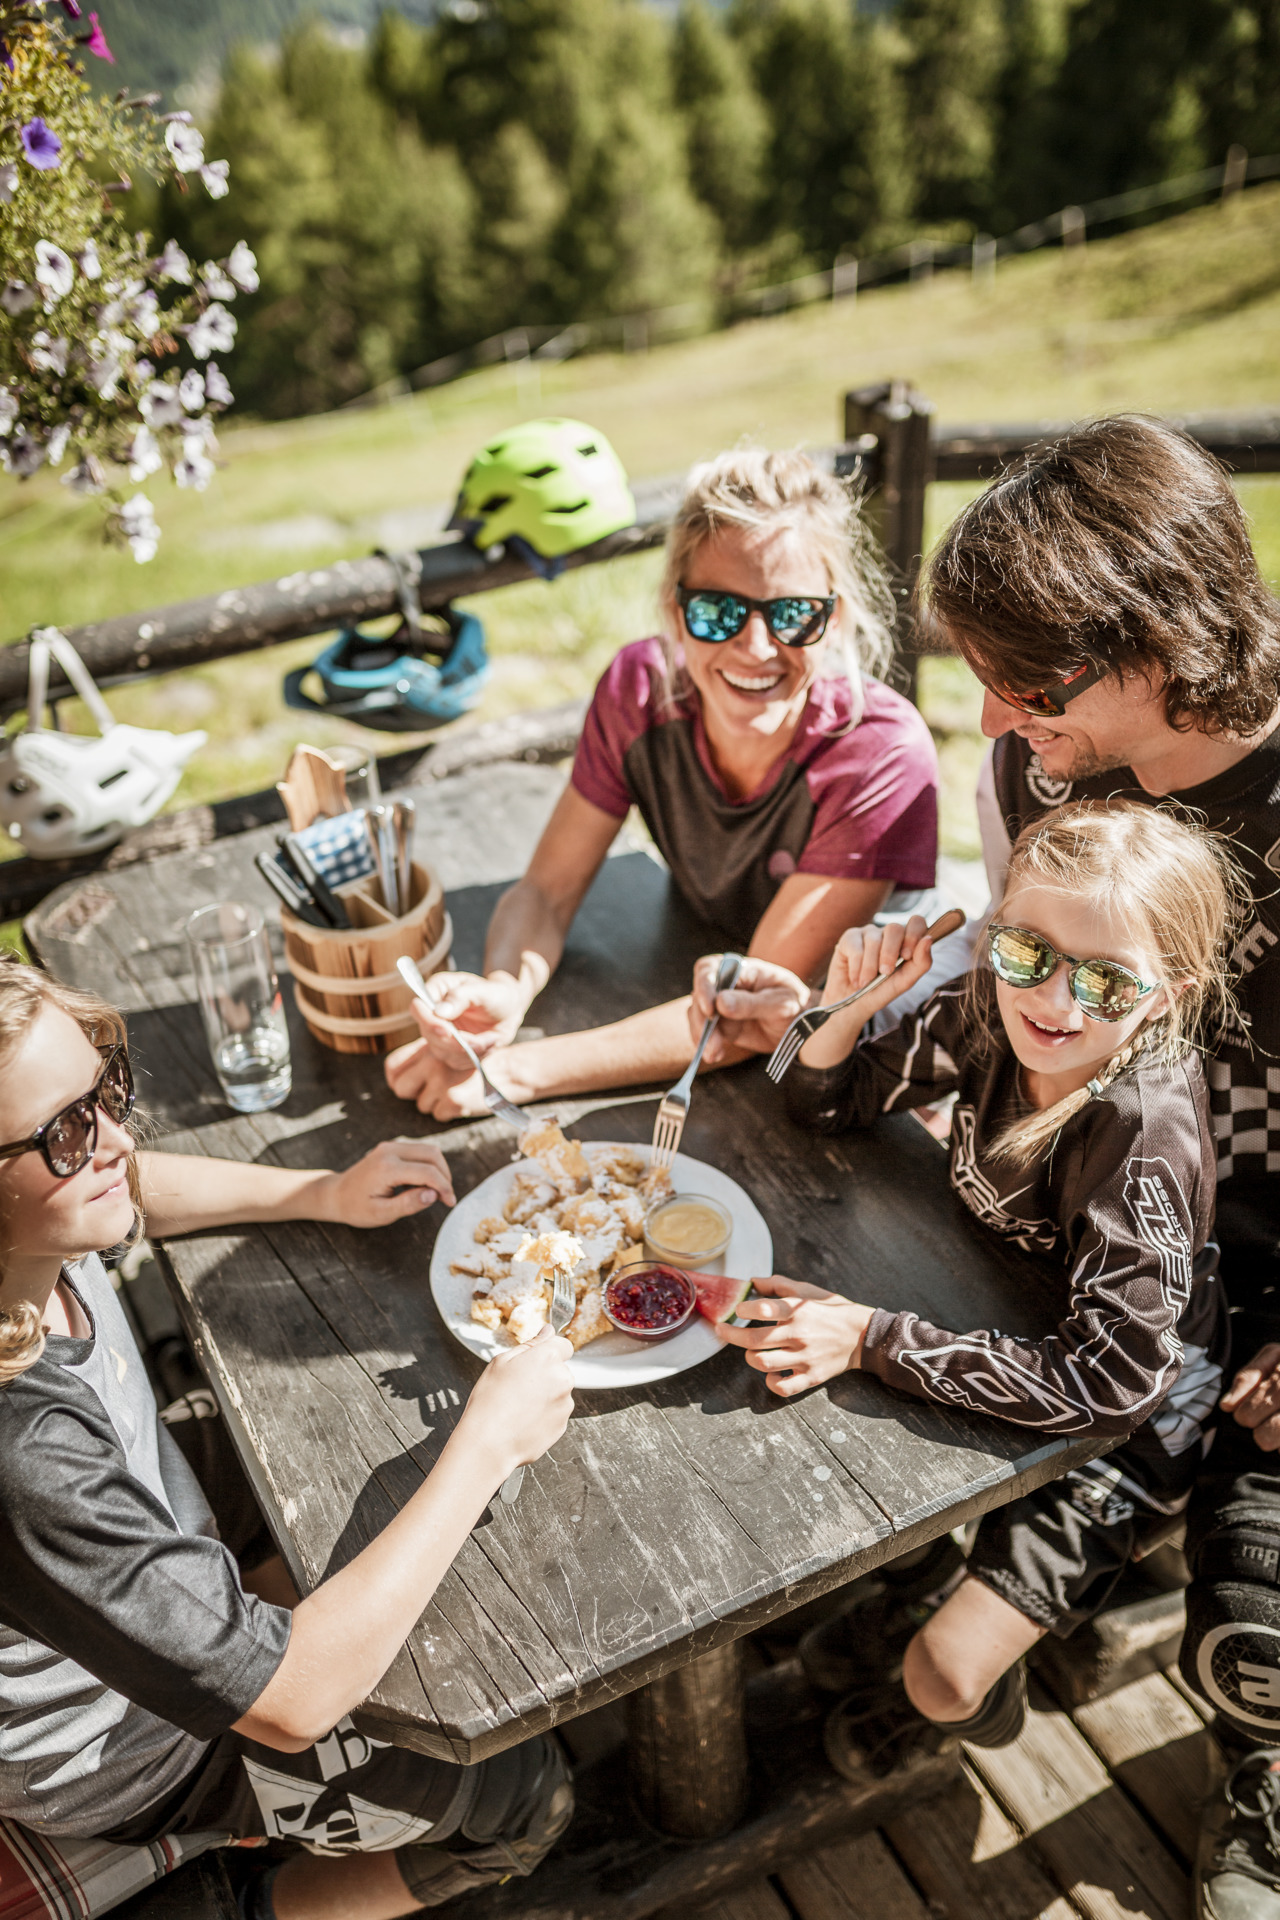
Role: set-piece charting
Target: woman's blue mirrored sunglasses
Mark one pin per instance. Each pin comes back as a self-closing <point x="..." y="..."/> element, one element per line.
<point x="713" y="614"/>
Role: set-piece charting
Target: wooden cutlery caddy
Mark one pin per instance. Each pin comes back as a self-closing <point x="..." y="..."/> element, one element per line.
<point x="345" y="981"/>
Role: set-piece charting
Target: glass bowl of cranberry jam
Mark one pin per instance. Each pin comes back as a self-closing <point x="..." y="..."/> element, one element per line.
<point x="649" y="1300"/>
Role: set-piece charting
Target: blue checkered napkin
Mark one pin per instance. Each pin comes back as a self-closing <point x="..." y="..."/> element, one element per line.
<point x="339" y="847"/>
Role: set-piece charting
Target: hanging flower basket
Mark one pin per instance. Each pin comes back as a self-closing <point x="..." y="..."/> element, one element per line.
<point x="107" y="349"/>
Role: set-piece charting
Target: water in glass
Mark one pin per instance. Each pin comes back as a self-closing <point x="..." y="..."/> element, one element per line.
<point x="241" y="1005"/>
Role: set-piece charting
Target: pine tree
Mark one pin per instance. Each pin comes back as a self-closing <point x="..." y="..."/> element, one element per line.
<point x="726" y="125"/>
<point x="951" y="77"/>
<point x="838" y="173"/>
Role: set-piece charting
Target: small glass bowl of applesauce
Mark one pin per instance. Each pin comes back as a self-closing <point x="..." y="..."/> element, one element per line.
<point x="687" y="1230"/>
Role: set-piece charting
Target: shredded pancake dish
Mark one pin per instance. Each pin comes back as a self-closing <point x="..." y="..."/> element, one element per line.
<point x="571" y="1209"/>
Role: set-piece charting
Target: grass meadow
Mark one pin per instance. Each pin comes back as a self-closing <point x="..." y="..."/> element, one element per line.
<point x="1180" y="317"/>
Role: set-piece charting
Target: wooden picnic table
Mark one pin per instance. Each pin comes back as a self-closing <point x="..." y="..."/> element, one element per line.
<point x="670" y="1520"/>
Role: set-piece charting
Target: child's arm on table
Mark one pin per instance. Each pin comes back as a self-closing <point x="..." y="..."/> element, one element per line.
<point x="347" y="1632"/>
<point x="188" y="1193"/>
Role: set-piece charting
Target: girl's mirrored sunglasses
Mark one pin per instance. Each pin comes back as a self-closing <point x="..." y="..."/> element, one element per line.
<point x="714" y="615"/>
<point x="1105" y="989"/>
<point x="70" y="1140"/>
<point x="1051" y="702"/>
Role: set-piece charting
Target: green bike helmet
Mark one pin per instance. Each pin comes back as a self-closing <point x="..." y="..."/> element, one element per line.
<point x="547" y="488"/>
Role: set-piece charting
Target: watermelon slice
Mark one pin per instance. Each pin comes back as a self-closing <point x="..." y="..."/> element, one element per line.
<point x="719" y="1294"/>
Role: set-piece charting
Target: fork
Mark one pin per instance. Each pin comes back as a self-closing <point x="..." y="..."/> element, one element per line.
<point x="674" y="1109"/>
<point x="411" y="974"/>
<point x="564" y="1304"/>
<point x="806" y="1024"/>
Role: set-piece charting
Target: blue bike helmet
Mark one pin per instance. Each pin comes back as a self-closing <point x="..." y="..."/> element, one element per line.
<point x="394" y="683"/>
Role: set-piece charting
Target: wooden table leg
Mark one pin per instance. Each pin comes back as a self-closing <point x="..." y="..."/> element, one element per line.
<point x="687" y="1745"/>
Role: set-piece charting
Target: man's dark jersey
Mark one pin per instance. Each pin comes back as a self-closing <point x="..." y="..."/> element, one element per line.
<point x="1122" y="1208"/>
<point x="1243" y="1062"/>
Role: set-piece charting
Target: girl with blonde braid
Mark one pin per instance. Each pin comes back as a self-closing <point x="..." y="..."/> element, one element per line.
<point x="1081" y="1133"/>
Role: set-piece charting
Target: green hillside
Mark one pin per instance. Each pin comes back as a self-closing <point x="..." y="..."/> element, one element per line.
<point x="1180" y="317"/>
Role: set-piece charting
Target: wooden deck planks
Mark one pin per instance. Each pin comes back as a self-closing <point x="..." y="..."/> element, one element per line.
<point x="1155" y="1745"/>
<point x="853" y="1881"/>
<point x="971" y="1862"/>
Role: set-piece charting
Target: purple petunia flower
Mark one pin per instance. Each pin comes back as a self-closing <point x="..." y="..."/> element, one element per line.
<point x="97" y="41"/>
<point x="41" y="145"/>
<point x="72" y="10"/>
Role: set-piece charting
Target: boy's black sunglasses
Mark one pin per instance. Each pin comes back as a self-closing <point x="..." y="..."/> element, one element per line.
<point x="1105" y="989"/>
<point x="714" y="614"/>
<point x="70" y="1140"/>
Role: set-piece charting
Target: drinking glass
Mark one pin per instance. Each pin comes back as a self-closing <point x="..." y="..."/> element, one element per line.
<point x="241" y="1005"/>
<point x="361" y="769"/>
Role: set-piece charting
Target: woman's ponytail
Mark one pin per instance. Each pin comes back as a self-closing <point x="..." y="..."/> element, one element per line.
<point x="21" y="1340"/>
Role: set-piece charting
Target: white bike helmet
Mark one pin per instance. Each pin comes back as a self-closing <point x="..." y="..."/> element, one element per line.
<point x="67" y="793"/>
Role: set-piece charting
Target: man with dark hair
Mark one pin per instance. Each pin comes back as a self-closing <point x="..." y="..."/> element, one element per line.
<point x="1105" y="593"/>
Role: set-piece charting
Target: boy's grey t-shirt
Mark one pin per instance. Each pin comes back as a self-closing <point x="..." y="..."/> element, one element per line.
<point x="126" y="1640"/>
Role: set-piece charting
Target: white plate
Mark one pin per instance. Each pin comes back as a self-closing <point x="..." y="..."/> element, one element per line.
<point x="615" y="1360"/>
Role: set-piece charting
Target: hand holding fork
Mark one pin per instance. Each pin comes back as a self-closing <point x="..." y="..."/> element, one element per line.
<point x="674" y="1108"/>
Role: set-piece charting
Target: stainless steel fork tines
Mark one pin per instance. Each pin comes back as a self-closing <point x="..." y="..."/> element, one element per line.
<point x="674" y="1108"/>
<point x="806" y="1024"/>
<point x="564" y="1304"/>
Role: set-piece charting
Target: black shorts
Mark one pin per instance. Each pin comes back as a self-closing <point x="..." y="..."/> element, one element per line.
<point x="451" y="1828"/>
<point x="1057" y="1553"/>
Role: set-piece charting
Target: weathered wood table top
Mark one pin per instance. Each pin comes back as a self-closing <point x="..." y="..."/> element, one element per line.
<point x="670" y="1518"/>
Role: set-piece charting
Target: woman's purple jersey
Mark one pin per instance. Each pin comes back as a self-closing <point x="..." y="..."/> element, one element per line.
<point x="855" y="803"/>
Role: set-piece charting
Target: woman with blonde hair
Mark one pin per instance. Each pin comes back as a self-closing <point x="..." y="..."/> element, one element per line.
<point x="1082" y="1135"/>
<point x="788" y="790"/>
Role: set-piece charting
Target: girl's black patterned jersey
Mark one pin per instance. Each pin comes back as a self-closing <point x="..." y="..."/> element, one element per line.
<point x="1243" y="804"/>
<point x="1124" y="1201"/>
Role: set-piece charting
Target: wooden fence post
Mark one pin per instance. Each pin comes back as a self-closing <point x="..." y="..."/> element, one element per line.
<point x="900" y="420"/>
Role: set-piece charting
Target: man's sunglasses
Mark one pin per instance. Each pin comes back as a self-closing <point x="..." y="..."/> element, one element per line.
<point x="1105" y="989"/>
<point x="715" y="615"/>
<point x="1051" y="702"/>
<point x="70" y="1140"/>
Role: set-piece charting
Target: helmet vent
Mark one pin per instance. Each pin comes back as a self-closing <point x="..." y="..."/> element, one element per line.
<point x="495" y="502"/>
<point x="590" y="447"/>
<point x="539" y="473"/>
<point x="110" y="779"/>
<point x="579" y="507"/>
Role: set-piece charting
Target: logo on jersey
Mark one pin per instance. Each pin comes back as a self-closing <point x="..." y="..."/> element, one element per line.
<point x="1159" y="1221"/>
<point x="1253" y="946"/>
<point x="1238" y="1666"/>
<point x="981" y="1197"/>
<point x="1047" y="788"/>
<point x="1272" y="857"/>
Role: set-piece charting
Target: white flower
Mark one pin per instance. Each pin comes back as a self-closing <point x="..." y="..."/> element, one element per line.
<point x="86" y="476"/>
<point x="242" y="265"/>
<point x="215" y="282"/>
<point x="88" y="262"/>
<point x="17" y="297"/>
<point x="23" y="455"/>
<point x="214" y="175"/>
<point x="216" y="387"/>
<point x="55" y="275"/>
<point x="186" y="144"/>
<point x="191" y="391"/>
<point x="213" y="332"/>
<point x="173" y="264"/>
<point x="8" y="411"/>
<point x="143" y="455"/>
<point x="143" y="309"/>
<point x="160" y="405"/>
<point x="195" y="469"/>
<point x="198" y="434"/>
<point x="104" y="369"/>
<point x="56" y="445"/>
<point x="48" y="355"/>
<point x="8" y="181"/>
<point x="135" y="522"/>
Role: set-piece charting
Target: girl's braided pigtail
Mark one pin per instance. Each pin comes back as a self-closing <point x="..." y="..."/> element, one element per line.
<point x="1030" y="1139"/>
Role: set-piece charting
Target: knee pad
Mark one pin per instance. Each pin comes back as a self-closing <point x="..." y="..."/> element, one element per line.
<point x="1231" y="1648"/>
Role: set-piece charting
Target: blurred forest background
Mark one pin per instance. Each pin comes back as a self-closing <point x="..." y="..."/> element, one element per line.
<point x="418" y="179"/>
